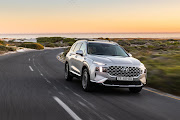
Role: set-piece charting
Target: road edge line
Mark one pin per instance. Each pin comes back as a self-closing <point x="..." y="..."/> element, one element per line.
<point x="152" y="90"/>
<point x="66" y="108"/>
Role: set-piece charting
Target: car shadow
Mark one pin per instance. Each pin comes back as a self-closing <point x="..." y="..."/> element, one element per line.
<point x="104" y="90"/>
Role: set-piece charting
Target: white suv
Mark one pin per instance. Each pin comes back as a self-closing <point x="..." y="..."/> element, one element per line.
<point x="105" y="63"/>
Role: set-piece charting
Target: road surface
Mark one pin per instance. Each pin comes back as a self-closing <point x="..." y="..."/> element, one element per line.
<point x="32" y="87"/>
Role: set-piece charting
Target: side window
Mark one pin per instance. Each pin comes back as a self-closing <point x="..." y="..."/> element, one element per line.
<point x="72" y="48"/>
<point x="77" y="47"/>
<point x="83" y="48"/>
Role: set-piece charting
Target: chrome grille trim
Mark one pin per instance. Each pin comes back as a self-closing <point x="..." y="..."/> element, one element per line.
<point x="124" y="71"/>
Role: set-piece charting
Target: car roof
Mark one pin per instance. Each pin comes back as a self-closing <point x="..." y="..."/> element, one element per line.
<point x="97" y="41"/>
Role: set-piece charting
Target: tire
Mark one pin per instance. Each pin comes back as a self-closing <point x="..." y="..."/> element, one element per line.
<point x="135" y="89"/>
<point x="87" y="85"/>
<point x="67" y="74"/>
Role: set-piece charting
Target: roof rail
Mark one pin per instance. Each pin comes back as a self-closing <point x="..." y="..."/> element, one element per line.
<point x="90" y="39"/>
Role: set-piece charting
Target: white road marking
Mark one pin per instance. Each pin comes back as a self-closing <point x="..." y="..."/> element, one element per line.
<point x="55" y="87"/>
<point x="67" y="87"/>
<point x="29" y="59"/>
<point x="61" y="93"/>
<point x="110" y="117"/>
<point x="81" y="97"/>
<point x="83" y="104"/>
<point x="31" y="68"/>
<point x="100" y="116"/>
<point x="40" y="72"/>
<point x="62" y="104"/>
<point x="85" y="100"/>
<point x="44" y="69"/>
<point x="47" y="80"/>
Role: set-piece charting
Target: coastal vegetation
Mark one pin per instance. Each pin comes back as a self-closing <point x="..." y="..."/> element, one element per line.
<point x="13" y="46"/>
<point x="32" y="46"/>
<point x="4" y="47"/>
<point x="55" y="41"/>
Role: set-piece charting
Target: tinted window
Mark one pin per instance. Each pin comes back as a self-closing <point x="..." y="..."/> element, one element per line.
<point x="77" y="47"/>
<point x="106" y="49"/>
<point x="83" y="48"/>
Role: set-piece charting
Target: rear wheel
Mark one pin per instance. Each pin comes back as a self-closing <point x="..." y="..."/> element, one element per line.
<point x="67" y="74"/>
<point x="135" y="89"/>
<point x="87" y="85"/>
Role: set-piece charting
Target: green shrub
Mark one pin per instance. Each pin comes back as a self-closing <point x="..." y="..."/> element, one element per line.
<point x="49" y="44"/>
<point x="173" y="43"/>
<point x="49" y="39"/>
<point x="66" y="40"/>
<point x="107" y="38"/>
<point x="138" y="42"/>
<point x="55" y="40"/>
<point x="124" y="43"/>
<point x="2" y="42"/>
<point x="70" y="43"/>
<point x="63" y="44"/>
<point x="11" y="48"/>
<point x="150" y="47"/>
<point x="32" y="46"/>
<point x="57" y="45"/>
<point x="3" y="48"/>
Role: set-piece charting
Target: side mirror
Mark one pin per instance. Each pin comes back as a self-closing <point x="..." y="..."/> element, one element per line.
<point x="79" y="52"/>
<point x="130" y="55"/>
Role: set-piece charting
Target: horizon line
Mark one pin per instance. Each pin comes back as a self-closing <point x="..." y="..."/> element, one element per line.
<point x="92" y="33"/>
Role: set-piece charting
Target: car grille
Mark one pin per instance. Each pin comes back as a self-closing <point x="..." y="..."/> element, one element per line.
<point x="123" y="71"/>
<point x="122" y="82"/>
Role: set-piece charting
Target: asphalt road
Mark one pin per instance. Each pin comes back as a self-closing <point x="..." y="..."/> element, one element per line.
<point x="32" y="87"/>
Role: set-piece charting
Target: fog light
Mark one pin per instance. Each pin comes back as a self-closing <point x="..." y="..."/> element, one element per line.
<point x="97" y="68"/>
<point x="145" y="71"/>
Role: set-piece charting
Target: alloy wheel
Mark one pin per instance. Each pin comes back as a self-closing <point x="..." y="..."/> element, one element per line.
<point x="84" y="79"/>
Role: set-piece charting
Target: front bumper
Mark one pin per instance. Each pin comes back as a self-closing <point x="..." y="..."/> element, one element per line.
<point x="107" y="80"/>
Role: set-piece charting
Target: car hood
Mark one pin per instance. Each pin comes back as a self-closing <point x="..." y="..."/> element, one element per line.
<point x="118" y="60"/>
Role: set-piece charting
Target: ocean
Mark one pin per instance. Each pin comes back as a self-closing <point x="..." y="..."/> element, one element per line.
<point x="94" y="35"/>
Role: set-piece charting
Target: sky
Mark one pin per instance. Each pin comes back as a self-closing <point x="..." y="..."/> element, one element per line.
<point x="89" y="16"/>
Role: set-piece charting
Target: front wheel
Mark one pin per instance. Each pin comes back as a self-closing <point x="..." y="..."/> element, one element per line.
<point x="67" y="74"/>
<point x="86" y="83"/>
<point x="135" y="89"/>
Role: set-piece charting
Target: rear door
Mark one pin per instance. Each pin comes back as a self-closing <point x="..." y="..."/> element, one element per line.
<point x="79" y="59"/>
<point x="73" y="58"/>
<point x="71" y="55"/>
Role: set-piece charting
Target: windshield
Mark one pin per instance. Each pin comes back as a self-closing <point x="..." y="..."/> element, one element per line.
<point x="106" y="49"/>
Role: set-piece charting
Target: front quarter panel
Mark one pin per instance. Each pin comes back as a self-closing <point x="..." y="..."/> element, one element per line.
<point x="87" y="62"/>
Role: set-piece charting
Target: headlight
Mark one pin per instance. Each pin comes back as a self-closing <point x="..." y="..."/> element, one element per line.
<point x="143" y="68"/>
<point x="142" y="65"/>
<point x="98" y="63"/>
<point x="101" y="69"/>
